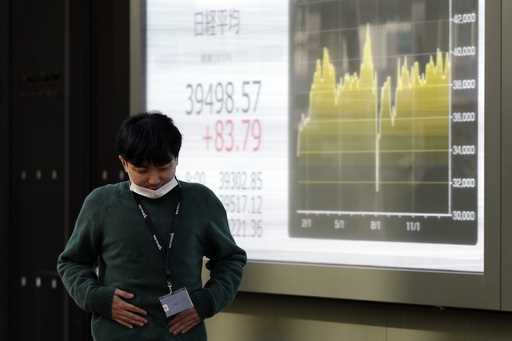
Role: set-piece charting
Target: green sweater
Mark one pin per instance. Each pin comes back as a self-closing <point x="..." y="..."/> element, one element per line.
<point x="110" y="233"/>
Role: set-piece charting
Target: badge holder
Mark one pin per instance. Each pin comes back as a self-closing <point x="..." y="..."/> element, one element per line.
<point x="176" y="302"/>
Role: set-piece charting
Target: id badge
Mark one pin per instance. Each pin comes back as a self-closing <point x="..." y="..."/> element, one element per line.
<point x="176" y="302"/>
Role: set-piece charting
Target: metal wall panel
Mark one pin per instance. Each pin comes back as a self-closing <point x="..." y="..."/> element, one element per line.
<point x="77" y="141"/>
<point x="111" y="84"/>
<point x="506" y="175"/>
<point x="4" y="166"/>
<point x="37" y="143"/>
<point x="51" y="164"/>
<point x="37" y="138"/>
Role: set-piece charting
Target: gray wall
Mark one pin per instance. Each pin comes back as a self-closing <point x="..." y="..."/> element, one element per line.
<point x="260" y="317"/>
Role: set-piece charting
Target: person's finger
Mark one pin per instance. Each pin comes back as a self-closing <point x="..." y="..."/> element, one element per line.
<point x="123" y="294"/>
<point x="176" y="325"/>
<point x="123" y="323"/>
<point x="178" y="319"/>
<point x="133" y="318"/>
<point x="189" y="325"/>
<point x="183" y="315"/>
<point x="192" y="324"/>
<point x="119" y="304"/>
<point x="183" y="322"/>
<point x="134" y="322"/>
<point x="135" y="309"/>
<point x="184" y="326"/>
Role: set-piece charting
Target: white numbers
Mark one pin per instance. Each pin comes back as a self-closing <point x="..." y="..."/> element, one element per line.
<point x="464" y="84"/>
<point x="464" y="117"/>
<point x="339" y="224"/>
<point x="197" y="176"/>
<point x="306" y="223"/>
<point x="464" y="215"/>
<point x="464" y="183"/>
<point x="375" y="225"/>
<point x="464" y="51"/>
<point x="464" y="18"/>
<point x="464" y="150"/>
<point x="413" y="226"/>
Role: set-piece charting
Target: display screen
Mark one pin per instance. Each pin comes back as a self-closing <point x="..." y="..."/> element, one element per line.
<point x="339" y="132"/>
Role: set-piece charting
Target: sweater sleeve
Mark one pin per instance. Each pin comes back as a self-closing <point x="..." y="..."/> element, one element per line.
<point x="226" y="263"/>
<point x="76" y="264"/>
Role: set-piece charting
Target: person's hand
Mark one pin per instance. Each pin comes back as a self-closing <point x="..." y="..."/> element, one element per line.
<point x="184" y="321"/>
<point x="125" y="313"/>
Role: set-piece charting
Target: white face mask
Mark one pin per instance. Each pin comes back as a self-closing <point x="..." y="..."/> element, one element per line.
<point x="153" y="194"/>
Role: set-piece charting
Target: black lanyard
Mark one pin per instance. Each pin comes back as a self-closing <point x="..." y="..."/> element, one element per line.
<point x="164" y="251"/>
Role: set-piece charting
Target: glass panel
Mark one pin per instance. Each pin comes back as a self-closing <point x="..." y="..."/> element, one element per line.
<point x="342" y="132"/>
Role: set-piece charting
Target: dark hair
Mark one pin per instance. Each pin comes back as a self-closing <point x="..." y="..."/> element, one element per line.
<point x="148" y="139"/>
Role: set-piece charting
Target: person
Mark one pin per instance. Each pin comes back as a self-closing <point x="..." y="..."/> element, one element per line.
<point x="114" y="265"/>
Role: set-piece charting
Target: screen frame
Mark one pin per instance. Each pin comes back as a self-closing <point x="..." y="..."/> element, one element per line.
<point x="437" y="288"/>
<point x="506" y="122"/>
